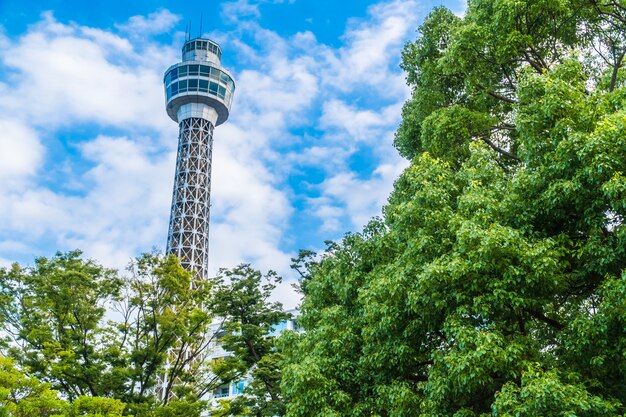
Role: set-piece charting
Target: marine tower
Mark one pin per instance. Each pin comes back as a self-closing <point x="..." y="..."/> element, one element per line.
<point x="199" y="93"/>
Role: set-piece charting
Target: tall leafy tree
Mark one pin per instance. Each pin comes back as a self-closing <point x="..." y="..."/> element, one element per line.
<point x="164" y="333"/>
<point x="494" y="283"/>
<point x="53" y="312"/>
<point x="250" y="319"/>
<point x="141" y="338"/>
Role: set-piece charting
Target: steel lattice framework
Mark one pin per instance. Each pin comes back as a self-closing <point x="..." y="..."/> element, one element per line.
<point x="188" y="236"/>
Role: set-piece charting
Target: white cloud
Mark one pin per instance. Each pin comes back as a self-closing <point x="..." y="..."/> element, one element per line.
<point x="328" y="157"/>
<point x="359" y="124"/>
<point x="5" y="263"/>
<point x="235" y="10"/>
<point x="238" y="10"/>
<point x="329" y="213"/>
<point x="460" y="8"/>
<point x="360" y="199"/>
<point x="372" y="48"/>
<point x="22" y="153"/>
<point x="4" y="39"/>
<point x="157" y="22"/>
<point x="361" y="109"/>
<point x="249" y="213"/>
<point x="120" y="215"/>
<point x="63" y="74"/>
<point x="108" y="41"/>
<point x="287" y="295"/>
<point x="358" y="90"/>
<point x="12" y="246"/>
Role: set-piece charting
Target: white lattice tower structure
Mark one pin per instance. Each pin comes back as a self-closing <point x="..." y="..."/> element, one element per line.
<point x="199" y="94"/>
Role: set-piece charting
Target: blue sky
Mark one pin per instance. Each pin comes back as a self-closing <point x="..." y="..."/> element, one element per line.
<point x="87" y="152"/>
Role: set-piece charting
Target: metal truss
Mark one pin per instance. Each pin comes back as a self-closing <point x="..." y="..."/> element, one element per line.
<point x="188" y="236"/>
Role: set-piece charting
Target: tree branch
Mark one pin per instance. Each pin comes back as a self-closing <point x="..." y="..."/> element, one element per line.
<point x="616" y="67"/>
<point x="542" y="317"/>
<point x="498" y="149"/>
<point x="496" y="95"/>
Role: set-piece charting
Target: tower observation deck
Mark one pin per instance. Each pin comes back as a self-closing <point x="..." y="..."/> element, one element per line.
<point x="198" y="94"/>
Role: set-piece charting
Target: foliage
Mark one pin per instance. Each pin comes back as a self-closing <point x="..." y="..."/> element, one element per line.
<point x="95" y="407"/>
<point x="242" y="300"/>
<point x="157" y="329"/>
<point x="23" y="396"/>
<point x="166" y="320"/>
<point x="58" y="332"/>
<point x="494" y="284"/>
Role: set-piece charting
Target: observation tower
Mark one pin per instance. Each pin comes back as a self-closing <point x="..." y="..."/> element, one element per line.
<point x="198" y="94"/>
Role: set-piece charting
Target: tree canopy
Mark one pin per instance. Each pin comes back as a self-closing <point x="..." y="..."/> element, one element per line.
<point x="83" y="340"/>
<point x="495" y="282"/>
<point x="242" y="300"/>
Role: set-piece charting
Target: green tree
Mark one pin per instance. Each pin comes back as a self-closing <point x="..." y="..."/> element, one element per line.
<point x="164" y="334"/>
<point x="24" y="396"/>
<point x="494" y="283"/>
<point x="54" y="313"/>
<point x="95" y="407"/>
<point x="242" y="299"/>
<point x="157" y="329"/>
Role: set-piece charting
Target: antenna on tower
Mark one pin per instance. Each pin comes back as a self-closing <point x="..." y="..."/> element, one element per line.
<point x="189" y="30"/>
<point x="200" y="24"/>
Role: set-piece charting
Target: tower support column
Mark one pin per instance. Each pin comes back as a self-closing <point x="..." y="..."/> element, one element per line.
<point x="188" y="236"/>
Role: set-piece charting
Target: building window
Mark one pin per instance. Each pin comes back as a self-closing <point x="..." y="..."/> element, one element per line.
<point x="221" y="391"/>
<point x="239" y="387"/>
<point x="171" y="76"/>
